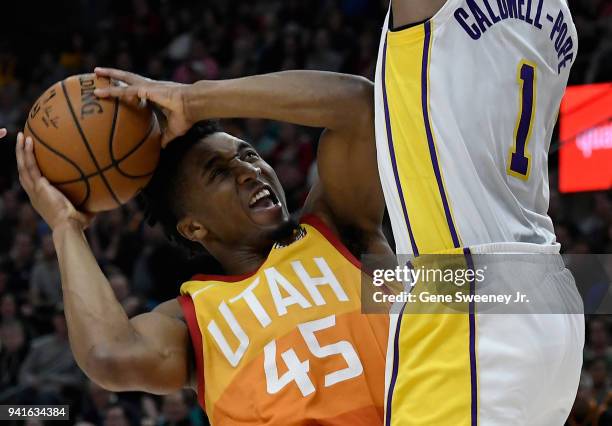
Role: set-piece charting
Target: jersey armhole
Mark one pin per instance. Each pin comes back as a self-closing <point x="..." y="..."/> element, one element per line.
<point x="188" y="308"/>
<point x="443" y="15"/>
<point x="331" y="237"/>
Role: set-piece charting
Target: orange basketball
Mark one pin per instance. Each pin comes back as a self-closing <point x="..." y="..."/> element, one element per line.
<point x="98" y="152"/>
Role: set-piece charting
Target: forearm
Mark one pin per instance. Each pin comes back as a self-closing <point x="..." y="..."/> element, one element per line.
<point x="96" y="321"/>
<point x="309" y="98"/>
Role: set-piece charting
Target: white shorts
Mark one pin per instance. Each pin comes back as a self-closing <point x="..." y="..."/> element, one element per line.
<point x="497" y="364"/>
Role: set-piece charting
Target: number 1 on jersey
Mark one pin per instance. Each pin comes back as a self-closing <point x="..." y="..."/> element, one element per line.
<point x="519" y="161"/>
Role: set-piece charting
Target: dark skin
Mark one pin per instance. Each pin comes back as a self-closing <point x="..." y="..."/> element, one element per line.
<point x="407" y="12"/>
<point x="221" y="174"/>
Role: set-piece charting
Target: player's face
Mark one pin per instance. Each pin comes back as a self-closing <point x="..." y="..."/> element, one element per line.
<point x="232" y="191"/>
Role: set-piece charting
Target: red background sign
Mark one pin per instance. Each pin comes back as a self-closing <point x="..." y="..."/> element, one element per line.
<point x="585" y="157"/>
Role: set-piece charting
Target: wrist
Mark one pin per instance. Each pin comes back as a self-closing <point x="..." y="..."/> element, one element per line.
<point x="195" y="105"/>
<point x="67" y="226"/>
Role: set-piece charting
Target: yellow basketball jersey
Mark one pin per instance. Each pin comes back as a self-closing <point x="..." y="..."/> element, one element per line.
<point x="465" y="109"/>
<point x="288" y="345"/>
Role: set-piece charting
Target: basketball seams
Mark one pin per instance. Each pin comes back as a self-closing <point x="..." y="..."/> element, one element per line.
<point x="83" y="177"/>
<point x="86" y="142"/>
<point x="116" y="163"/>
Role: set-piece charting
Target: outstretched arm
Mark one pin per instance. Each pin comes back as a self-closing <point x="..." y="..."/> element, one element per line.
<point x="147" y="353"/>
<point x="349" y="189"/>
<point x="407" y="12"/>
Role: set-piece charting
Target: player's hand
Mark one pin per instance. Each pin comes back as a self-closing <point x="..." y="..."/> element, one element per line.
<point x="2" y="133"/>
<point x="47" y="200"/>
<point x="167" y="96"/>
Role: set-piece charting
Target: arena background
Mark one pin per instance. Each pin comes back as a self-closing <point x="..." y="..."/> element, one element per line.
<point x="186" y="41"/>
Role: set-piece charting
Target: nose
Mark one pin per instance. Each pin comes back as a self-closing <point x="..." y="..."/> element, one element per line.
<point x="245" y="171"/>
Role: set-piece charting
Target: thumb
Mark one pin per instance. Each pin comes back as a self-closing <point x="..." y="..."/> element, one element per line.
<point x="166" y="138"/>
<point x="2" y="133"/>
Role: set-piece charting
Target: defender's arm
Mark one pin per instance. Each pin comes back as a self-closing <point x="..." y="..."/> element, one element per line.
<point x="406" y="12"/>
<point x="342" y="104"/>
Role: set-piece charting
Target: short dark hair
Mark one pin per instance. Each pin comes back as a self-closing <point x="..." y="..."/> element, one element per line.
<point x="160" y="198"/>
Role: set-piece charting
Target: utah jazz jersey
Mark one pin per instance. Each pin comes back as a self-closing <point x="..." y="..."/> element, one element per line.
<point x="288" y="345"/>
<point x="466" y="103"/>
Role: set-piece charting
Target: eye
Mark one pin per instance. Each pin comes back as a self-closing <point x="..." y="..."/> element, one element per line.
<point x="216" y="172"/>
<point x="250" y="155"/>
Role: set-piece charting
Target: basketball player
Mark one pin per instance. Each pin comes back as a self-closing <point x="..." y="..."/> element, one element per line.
<point x="467" y="94"/>
<point x="280" y="339"/>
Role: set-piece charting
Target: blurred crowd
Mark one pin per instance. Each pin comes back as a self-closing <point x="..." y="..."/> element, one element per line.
<point x="187" y="41"/>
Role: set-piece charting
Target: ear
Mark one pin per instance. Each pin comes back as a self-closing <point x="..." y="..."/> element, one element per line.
<point x="191" y="229"/>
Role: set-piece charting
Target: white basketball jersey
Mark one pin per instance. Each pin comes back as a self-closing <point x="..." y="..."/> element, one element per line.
<point x="466" y="104"/>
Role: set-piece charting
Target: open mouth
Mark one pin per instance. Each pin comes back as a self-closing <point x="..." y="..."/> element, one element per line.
<point x="263" y="199"/>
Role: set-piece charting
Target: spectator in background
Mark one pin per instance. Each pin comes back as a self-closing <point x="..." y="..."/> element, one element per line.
<point x="199" y="66"/>
<point x="96" y="401"/>
<point x="121" y="287"/>
<point x="118" y="414"/>
<point x="599" y="375"/>
<point x="20" y="263"/>
<point x="50" y="366"/>
<point x="105" y="233"/>
<point x="13" y="351"/>
<point x="9" y="213"/>
<point x="45" y="282"/>
<point x="323" y="56"/>
<point x="9" y="311"/>
<point x="598" y="343"/>
<point x="176" y="411"/>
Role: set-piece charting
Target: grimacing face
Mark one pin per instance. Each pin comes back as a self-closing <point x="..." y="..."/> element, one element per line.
<point x="230" y="194"/>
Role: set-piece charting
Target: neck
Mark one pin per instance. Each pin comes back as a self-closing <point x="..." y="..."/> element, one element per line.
<point x="248" y="258"/>
<point x="242" y="260"/>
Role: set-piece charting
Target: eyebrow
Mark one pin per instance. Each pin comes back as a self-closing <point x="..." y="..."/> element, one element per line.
<point x="211" y="161"/>
<point x="242" y="145"/>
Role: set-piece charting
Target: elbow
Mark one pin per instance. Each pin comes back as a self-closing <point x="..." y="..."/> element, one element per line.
<point x="104" y="367"/>
<point x="364" y="100"/>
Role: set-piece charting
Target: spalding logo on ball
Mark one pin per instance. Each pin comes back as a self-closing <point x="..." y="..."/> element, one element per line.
<point x="98" y="152"/>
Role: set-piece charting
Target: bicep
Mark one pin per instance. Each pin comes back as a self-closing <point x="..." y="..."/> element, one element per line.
<point x="155" y="361"/>
<point x="406" y="12"/>
<point x="349" y="181"/>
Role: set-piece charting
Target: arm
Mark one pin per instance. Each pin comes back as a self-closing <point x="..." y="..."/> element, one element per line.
<point x="407" y="12"/>
<point x="309" y="98"/>
<point x="149" y="352"/>
<point x="349" y="190"/>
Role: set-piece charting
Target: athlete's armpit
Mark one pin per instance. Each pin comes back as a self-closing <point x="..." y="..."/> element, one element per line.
<point x="406" y="12"/>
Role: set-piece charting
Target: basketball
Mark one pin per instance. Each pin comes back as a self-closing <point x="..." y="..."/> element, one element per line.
<point x="98" y="152"/>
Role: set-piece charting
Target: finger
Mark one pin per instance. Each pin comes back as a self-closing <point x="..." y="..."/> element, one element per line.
<point x="30" y="160"/>
<point x="2" y="133"/>
<point x="127" y="94"/>
<point x="121" y="92"/>
<point x="128" y="77"/>
<point x="24" y="177"/>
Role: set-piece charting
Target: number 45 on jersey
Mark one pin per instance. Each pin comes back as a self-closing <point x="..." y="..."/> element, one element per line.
<point x="297" y="371"/>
